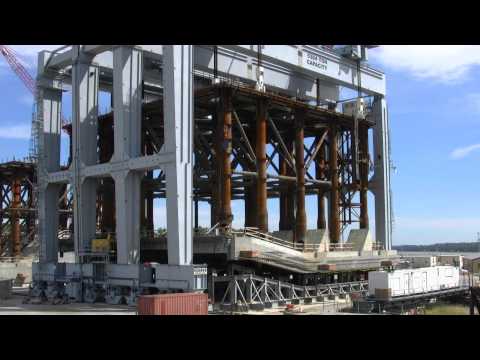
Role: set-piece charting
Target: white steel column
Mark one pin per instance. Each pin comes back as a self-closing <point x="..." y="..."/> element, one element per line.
<point x="49" y="102"/>
<point x="178" y="117"/>
<point x="85" y="82"/>
<point x="127" y="102"/>
<point x="48" y="195"/>
<point x="127" y="212"/>
<point x="380" y="183"/>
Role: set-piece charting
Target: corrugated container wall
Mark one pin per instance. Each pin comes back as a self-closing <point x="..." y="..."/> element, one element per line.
<point x="412" y="281"/>
<point x="173" y="304"/>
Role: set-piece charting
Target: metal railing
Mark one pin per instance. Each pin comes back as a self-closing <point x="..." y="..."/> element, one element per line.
<point x="253" y="232"/>
<point x="64" y="234"/>
<point x="13" y="259"/>
<point x="340" y="247"/>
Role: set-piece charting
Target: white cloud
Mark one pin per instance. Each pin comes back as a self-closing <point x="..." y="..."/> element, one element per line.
<point x="443" y="63"/>
<point x="20" y="132"/>
<point x="460" y="153"/>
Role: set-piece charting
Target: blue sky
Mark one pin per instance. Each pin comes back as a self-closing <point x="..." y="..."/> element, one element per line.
<point x="434" y="106"/>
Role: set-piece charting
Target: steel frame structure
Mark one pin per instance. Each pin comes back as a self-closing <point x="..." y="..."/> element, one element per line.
<point x="225" y="145"/>
<point x="243" y="292"/>
<point x="17" y="207"/>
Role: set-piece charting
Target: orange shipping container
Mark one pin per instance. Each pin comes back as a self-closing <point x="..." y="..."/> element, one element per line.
<point x="173" y="304"/>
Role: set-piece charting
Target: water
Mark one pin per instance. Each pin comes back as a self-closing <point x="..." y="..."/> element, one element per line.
<point x="470" y="255"/>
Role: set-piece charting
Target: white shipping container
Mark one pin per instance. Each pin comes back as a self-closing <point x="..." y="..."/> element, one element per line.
<point x="414" y="281"/>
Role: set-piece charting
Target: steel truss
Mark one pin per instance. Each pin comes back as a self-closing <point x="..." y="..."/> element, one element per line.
<point x="17" y="207"/>
<point x="243" y="292"/>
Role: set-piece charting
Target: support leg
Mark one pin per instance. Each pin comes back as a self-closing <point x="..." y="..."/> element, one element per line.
<point x="127" y="210"/>
<point x="225" y="168"/>
<point x="301" y="216"/>
<point x="363" y="167"/>
<point x="320" y="174"/>
<point x="16" y="244"/>
<point x="380" y="184"/>
<point x="85" y="81"/>
<point x="178" y="110"/>
<point x="334" y="214"/>
<point x="49" y="102"/>
<point x="262" y="165"/>
<point x="127" y="101"/>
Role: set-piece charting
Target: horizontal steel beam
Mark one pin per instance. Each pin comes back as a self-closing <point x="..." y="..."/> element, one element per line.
<point x="290" y="68"/>
<point x="59" y="177"/>
<point x="313" y="63"/>
<point x="144" y="163"/>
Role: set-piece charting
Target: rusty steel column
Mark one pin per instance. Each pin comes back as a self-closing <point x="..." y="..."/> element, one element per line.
<point x="290" y="196"/>
<point x="283" y="199"/>
<point x="320" y="174"/>
<point x="364" y="165"/>
<point x="30" y="223"/>
<point x="216" y="199"/>
<point x="334" y="214"/>
<point x="261" y="154"/>
<point x="15" y="218"/>
<point x="251" y="189"/>
<point x="225" y="165"/>
<point x="301" y="216"/>
<point x="213" y="213"/>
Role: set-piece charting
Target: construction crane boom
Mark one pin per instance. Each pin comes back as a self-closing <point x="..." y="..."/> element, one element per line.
<point x="13" y="60"/>
<point x="18" y="68"/>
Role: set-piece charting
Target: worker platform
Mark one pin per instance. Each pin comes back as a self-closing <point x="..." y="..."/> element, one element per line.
<point x="251" y="247"/>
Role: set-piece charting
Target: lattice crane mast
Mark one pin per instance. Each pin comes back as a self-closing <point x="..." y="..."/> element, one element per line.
<point x="12" y="60"/>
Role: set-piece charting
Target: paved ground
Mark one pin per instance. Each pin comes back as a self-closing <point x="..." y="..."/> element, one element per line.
<point x="324" y="308"/>
<point x="14" y="306"/>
